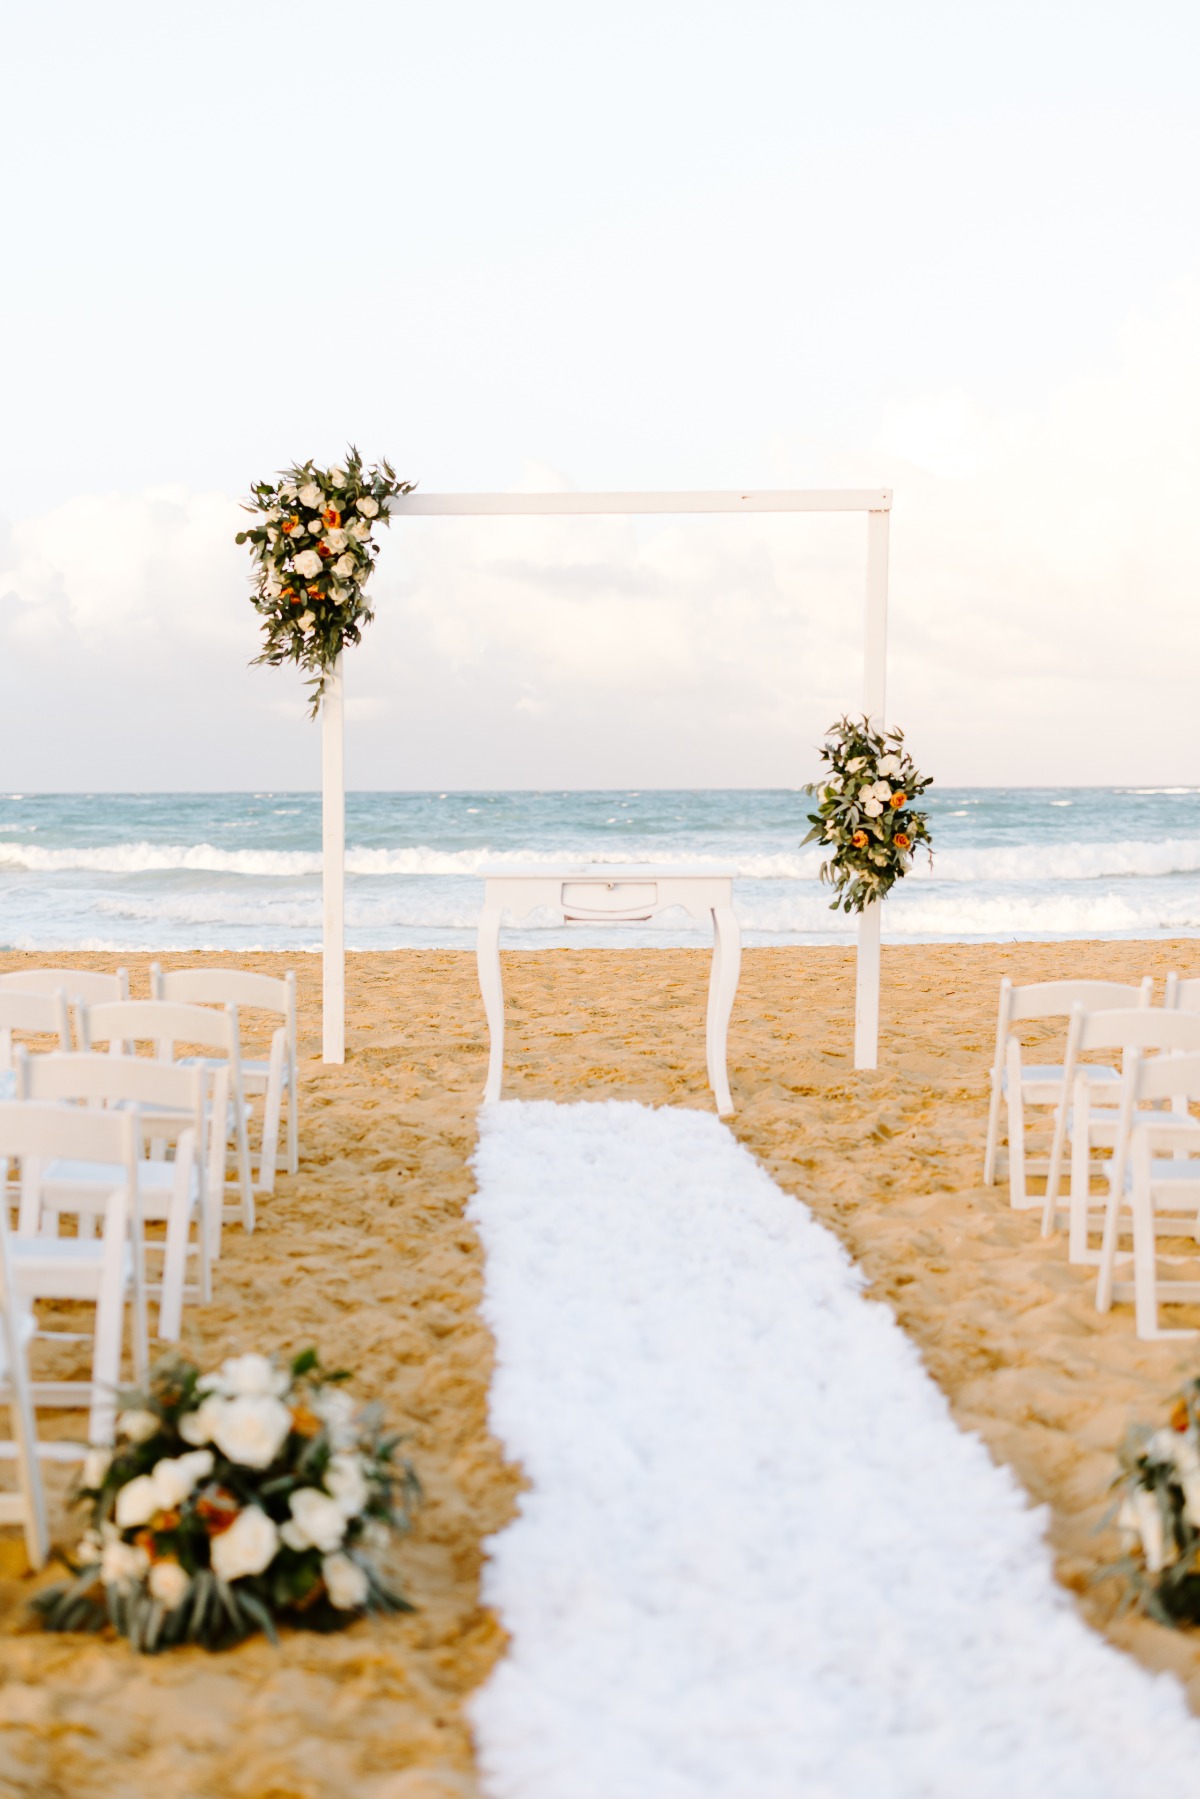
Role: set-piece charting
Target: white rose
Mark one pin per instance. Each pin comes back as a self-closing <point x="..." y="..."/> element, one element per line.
<point x="306" y="619"/>
<point x="272" y="587"/>
<point x="337" y="477"/>
<point x="337" y="539"/>
<point x="359" y="528"/>
<point x="316" y="526"/>
<point x="246" y="1547"/>
<point x="345" y="1582"/>
<point x="872" y="808"/>
<point x="344" y="1478"/>
<point x="889" y="765"/>
<point x="274" y="514"/>
<point x="96" y="1464"/>
<point x="89" y="1549"/>
<point x="169" y="1584"/>
<point x="1161" y="1447"/>
<point x="319" y="1517"/>
<point x="289" y="492"/>
<point x="122" y="1563"/>
<point x="252" y="1430"/>
<point x="345" y="565"/>
<point x="854" y="766"/>
<point x="367" y="506"/>
<point x="336" y="1410"/>
<point x="310" y="495"/>
<point x="200" y="1425"/>
<point x="1142" y="1516"/>
<point x="245" y="1374"/>
<point x="883" y="790"/>
<point x="138" y="1425"/>
<point x="867" y="792"/>
<point x="175" y="1479"/>
<point x="308" y="564"/>
<point x="292" y="1535"/>
<point x="137" y="1502"/>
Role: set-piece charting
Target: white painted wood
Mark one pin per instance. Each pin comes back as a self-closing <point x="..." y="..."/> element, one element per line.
<point x="867" y="962"/>
<point x="874" y="501"/>
<point x="583" y="895"/>
<point x="458" y="505"/>
<point x="333" y="868"/>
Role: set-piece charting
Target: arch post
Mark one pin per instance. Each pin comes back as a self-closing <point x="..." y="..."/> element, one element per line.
<point x="333" y="868"/>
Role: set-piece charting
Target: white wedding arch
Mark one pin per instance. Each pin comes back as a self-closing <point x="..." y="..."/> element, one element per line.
<point x="875" y="502"/>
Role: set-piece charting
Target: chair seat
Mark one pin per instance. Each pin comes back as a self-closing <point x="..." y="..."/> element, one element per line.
<point x="61" y="1267"/>
<point x="65" y="1183"/>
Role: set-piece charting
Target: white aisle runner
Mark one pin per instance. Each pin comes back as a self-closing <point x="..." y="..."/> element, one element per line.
<point x="758" y="1559"/>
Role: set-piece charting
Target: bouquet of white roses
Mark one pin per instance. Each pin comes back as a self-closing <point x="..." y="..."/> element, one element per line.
<point x="865" y="812"/>
<point x="232" y="1501"/>
<point x="313" y="553"/>
<point x="1158" y="1513"/>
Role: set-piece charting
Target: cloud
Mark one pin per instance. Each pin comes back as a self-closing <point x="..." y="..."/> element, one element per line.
<point x="1044" y="621"/>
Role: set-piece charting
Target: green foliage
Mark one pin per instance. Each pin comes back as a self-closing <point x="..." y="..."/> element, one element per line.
<point x="865" y="814"/>
<point x="313" y="553"/>
<point x="155" y="1580"/>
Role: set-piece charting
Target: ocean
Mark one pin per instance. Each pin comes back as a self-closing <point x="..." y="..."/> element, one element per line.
<point x="114" y="872"/>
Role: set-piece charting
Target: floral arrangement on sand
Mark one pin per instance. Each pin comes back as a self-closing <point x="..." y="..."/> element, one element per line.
<point x="234" y="1501"/>
<point x="865" y="812"/>
<point x="1158" y="1513"/>
<point x="314" y="553"/>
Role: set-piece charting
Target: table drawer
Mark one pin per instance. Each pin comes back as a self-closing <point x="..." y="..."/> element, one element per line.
<point x="608" y="899"/>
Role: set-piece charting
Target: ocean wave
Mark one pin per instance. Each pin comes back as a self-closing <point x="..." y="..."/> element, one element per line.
<point x="1012" y="863"/>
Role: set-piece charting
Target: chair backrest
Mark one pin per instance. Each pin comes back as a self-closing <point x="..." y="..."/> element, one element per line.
<point x="1151" y="1078"/>
<point x="1058" y="999"/>
<point x="1141" y="1028"/>
<point x="86" y="984"/>
<point x="112" y="1080"/>
<point x="1182" y="994"/>
<point x="40" y="1014"/>
<point x="226" y="987"/>
<point x="44" y="1129"/>
<point x="160" y="1022"/>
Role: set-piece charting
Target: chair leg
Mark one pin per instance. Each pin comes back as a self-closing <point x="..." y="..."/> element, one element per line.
<point x="272" y="1107"/>
<point x="1145" y="1265"/>
<point x="1081" y="1191"/>
<point x="993" y="1131"/>
<point x="1017" y="1194"/>
<point x="293" y="1121"/>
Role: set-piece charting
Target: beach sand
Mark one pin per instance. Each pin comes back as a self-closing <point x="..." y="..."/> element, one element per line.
<point x="365" y="1253"/>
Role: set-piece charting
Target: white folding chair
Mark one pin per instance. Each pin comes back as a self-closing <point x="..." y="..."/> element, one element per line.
<point x="1022" y="1084"/>
<point x="171" y="1193"/>
<point x="90" y="986"/>
<point x="163" y="1023"/>
<point x="33" y="1014"/>
<point x="274" y="1076"/>
<point x="27" y="1506"/>
<point x="1084" y="1117"/>
<point x="1156" y="1180"/>
<point x="105" y="1273"/>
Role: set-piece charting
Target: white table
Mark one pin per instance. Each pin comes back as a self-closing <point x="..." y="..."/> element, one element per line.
<point x="583" y="895"/>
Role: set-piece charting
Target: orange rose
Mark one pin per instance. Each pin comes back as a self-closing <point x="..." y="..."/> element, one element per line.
<point x="290" y="594"/>
<point x="902" y="840"/>
<point x="314" y="593"/>
<point x="217" y="1508"/>
<point x="324" y="550"/>
<point x="859" y="840"/>
<point x="305" y="1422"/>
<point x="331" y="518"/>
<point x="1179" y="1415"/>
<point x="897" y="800"/>
<point x="292" y="524"/>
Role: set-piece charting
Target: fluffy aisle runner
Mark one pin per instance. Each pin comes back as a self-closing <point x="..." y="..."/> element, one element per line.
<point x="758" y="1559"/>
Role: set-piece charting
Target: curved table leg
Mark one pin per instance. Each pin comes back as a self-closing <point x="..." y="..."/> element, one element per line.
<point x="727" y="963"/>
<point x="487" y="952"/>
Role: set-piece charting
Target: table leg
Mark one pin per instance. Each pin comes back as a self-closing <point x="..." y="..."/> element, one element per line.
<point x="727" y="963"/>
<point x="487" y="952"/>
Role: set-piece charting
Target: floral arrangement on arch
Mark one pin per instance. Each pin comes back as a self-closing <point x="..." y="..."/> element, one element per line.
<point x="1159" y="1513"/>
<point x="314" y="553"/>
<point x="865" y="813"/>
<point x="235" y="1501"/>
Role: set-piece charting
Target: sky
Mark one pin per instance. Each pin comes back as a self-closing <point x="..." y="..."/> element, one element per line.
<point x="950" y="249"/>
